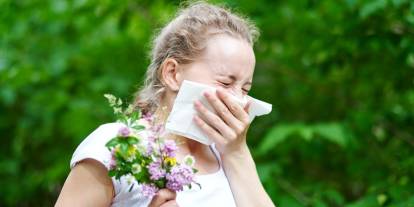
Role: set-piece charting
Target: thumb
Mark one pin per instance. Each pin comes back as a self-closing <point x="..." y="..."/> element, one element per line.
<point x="247" y="106"/>
<point x="171" y="203"/>
<point x="164" y="195"/>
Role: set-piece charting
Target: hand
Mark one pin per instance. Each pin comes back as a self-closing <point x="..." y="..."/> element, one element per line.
<point x="229" y="127"/>
<point x="164" y="198"/>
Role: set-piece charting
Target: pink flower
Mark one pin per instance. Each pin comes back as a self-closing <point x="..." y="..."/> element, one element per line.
<point x="147" y="117"/>
<point x="148" y="190"/>
<point x="112" y="162"/>
<point x="157" y="129"/>
<point x="169" y="147"/>
<point x="179" y="176"/>
<point x="156" y="171"/>
<point x="124" y="132"/>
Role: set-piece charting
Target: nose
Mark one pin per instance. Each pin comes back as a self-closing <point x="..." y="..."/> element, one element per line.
<point x="238" y="93"/>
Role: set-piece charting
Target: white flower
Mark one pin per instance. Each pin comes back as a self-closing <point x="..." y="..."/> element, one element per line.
<point x="130" y="179"/>
<point x="130" y="109"/>
<point x="136" y="168"/>
<point x="189" y="160"/>
<point x="111" y="99"/>
<point x="141" y="147"/>
<point x="117" y="110"/>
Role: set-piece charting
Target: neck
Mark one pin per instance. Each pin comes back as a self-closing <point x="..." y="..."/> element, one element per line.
<point x="185" y="145"/>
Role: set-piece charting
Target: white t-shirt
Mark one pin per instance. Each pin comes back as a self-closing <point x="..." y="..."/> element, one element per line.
<point x="215" y="190"/>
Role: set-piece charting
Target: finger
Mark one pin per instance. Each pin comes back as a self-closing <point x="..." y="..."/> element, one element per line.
<point x="171" y="203"/>
<point x="247" y="107"/>
<point x="167" y="194"/>
<point x="224" y="112"/>
<point x="233" y="106"/>
<point x="163" y="196"/>
<point x="208" y="130"/>
<point x="214" y="121"/>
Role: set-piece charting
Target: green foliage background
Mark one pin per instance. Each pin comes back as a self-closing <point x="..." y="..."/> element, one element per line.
<point x="340" y="75"/>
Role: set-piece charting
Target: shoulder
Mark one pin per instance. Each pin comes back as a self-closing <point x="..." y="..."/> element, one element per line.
<point x="87" y="178"/>
<point x="105" y="131"/>
<point x="96" y="157"/>
<point x="93" y="146"/>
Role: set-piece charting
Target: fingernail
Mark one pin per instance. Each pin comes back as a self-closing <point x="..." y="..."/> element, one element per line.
<point x="206" y="94"/>
<point x="195" y="118"/>
<point x="196" y="103"/>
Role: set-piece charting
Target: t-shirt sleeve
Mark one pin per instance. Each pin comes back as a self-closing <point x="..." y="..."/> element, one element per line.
<point x="93" y="146"/>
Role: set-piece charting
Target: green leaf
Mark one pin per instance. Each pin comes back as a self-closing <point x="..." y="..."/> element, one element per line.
<point x="372" y="7"/>
<point x="382" y="198"/>
<point x="132" y="140"/>
<point x="136" y="115"/>
<point x="277" y="135"/>
<point x="124" y="147"/>
<point x="334" y="132"/>
<point x="138" y="127"/>
<point x="112" y="143"/>
<point x="112" y="173"/>
<point x="365" y="201"/>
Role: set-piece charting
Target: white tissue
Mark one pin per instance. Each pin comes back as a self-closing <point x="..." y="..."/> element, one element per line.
<point x="180" y="121"/>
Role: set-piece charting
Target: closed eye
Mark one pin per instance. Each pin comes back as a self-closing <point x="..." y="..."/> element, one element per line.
<point x="225" y="84"/>
<point x="245" y="91"/>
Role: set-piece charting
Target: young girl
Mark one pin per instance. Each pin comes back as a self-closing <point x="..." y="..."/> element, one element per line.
<point x="206" y="44"/>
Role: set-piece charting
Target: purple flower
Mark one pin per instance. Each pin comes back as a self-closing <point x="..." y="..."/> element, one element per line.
<point x="150" y="145"/>
<point x="147" y="117"/>
<point x="148" y="190"/>
<point x="149" y="150"/>
<point x="157" y="129"/>
<point x="156" y="171"/>
<point x="179" y="176"/>
<point x="112" y="162"/>
<point x="124" y="132"/>
<point x="151" y="138"/>
<point x="169" y="147"/>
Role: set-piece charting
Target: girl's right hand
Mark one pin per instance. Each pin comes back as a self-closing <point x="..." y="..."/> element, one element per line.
<point x="164" y="198"/>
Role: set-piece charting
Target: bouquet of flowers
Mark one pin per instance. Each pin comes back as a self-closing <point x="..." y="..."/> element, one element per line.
<point x="150" y="160"/>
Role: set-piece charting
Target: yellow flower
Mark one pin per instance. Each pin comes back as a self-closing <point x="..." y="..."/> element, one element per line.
<point x="170" y="161"/>
<point x="131" y="153"/>
<point x="132" y="150"/>
<point x="117" y="149"/>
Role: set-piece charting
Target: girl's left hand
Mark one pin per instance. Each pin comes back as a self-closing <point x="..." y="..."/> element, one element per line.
<point x="229" y="127"/>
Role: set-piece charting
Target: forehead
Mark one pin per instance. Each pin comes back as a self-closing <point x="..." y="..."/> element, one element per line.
<point x="226" y="55"/>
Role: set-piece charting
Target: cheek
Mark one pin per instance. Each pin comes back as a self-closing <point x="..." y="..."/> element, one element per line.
<point x="199" y="75"/>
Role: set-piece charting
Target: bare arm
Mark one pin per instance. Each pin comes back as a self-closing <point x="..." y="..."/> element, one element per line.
<point x="88" y="184"/>
<point x="244" y="181"/>
<point x="228" y="130"/>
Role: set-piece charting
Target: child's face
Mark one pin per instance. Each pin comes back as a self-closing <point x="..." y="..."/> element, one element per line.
<point x="227" y="63"/>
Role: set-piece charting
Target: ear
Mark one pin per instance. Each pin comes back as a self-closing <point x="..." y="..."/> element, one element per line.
<point x="170" y="74"/>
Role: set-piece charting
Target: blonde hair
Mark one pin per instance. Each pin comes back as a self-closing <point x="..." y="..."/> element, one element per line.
<point x="183" y="39"/>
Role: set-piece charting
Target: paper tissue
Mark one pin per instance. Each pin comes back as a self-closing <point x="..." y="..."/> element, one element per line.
<point x="180" y="120"/>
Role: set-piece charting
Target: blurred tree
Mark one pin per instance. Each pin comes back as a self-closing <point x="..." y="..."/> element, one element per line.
<point x="340" y="75"/>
